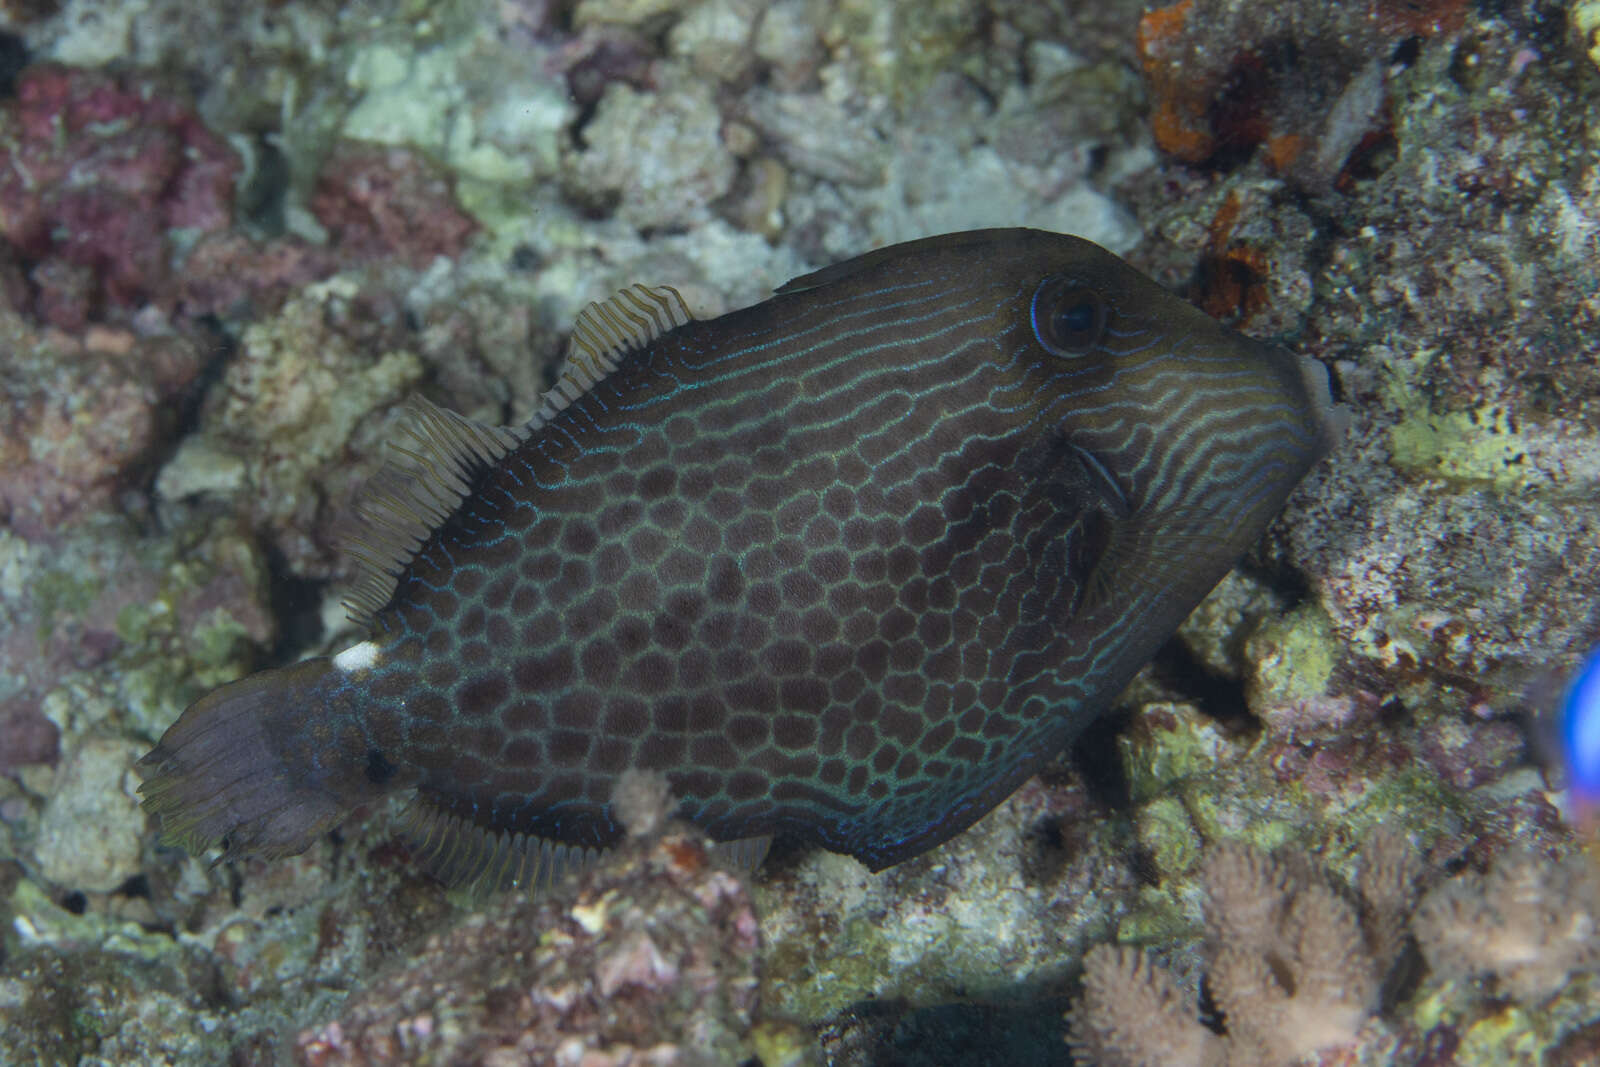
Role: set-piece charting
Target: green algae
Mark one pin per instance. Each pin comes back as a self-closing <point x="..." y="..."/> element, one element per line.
<point x="1293" y="657"/>
<point x="778" y="1044"/>
<point x="1509" y="1036"/>
<point x="1500" y="1033"/>
<point x="1237" y="806"/>
<point x="1413" y="796"/>
<point x="59" y="594"/>
<point x="1161" y="917"/>
<point x="1585" y="17"/>
<point x="1168" y="835"/>
<point x="1482" y="445"/>
<point x="174" y="653"/>
<point x="1158" y="756"/>
<point x="216" y="640"/>
<point x="39" y="919"/>
<point x="1476" y="446"/>
<point x="901" y="48"/>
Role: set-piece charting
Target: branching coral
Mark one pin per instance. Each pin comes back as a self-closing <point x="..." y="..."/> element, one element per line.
<point x="1527" y="923"/>
<point x="1293" y="966"/>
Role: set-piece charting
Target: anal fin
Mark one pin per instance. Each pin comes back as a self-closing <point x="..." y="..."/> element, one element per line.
<point x="459" y="852"/>
<point x="743" y="854"/>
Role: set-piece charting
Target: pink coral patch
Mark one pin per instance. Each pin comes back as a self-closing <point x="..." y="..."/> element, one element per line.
<point x="94" y="169"/>
<point x="379" y="202"/>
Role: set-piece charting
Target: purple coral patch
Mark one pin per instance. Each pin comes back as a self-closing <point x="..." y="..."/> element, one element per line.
<point x="95" y="168"/>
<point x="26" y="736"/>
<point x="378" y="201"/>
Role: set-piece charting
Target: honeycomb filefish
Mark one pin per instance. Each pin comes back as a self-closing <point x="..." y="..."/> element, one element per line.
<point x="848" y="566"/>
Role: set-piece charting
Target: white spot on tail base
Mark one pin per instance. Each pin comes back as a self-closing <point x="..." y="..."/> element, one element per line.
<point x="357" y="657"/>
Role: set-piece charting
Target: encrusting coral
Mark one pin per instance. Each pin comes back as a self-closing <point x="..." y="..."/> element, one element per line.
<point x="1293" y="966"/>
<point x="1527" y="923"/>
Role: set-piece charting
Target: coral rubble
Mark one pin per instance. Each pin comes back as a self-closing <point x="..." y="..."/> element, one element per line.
<point x="649" y="959"/>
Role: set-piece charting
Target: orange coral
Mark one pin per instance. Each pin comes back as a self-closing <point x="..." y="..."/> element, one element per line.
<point x="1179" y="122"/>
<point x="1283" y="149"/>
<point x="1299" y="83"/>
<point x="1233" y="276"/>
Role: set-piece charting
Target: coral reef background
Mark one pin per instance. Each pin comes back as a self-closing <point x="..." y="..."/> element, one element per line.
<point x="234" y="237"/>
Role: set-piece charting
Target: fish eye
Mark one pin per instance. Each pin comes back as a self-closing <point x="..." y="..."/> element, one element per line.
<point x="1068" y="318"/>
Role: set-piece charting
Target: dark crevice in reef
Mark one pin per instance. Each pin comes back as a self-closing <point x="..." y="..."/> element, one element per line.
<point x="220" y="348"/>
<point x="1218" y="697"/>
<point x="1095" y="759"/>
<point x="1289" y="583"/>
<point x="297" y="605"/>
<point x="1032" y="1031"/>
<point x="262" y="201"/>
<point x="13" y="57"/>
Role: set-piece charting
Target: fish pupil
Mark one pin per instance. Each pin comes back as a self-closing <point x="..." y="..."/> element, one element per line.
<point x="1076" y="320"/>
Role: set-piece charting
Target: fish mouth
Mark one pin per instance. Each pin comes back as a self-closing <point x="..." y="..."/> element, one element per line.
<point x="1311" y="383"/>
<point x="1332" y="418"/>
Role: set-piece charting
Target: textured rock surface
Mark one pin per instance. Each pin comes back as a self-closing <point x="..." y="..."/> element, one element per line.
<point x="91" y="828"/>
<point x="656" y="159"/>
<point x="82" y="415"/>
<point x="276" y="436"/>
<point x="649" y="958"/>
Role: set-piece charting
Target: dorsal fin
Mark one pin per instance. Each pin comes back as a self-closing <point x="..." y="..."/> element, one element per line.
<point x="421" y="485"/>
<point x="604" y="332"/>
<point x="425" y="482"/>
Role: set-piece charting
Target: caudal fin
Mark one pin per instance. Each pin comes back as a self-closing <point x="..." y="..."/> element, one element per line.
<point x="217" y="776"/>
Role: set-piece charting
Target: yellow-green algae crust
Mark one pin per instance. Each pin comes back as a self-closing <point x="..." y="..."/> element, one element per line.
<point x="1508" y="1034"/>
<point x="1482" y="445"/>
<point x="1292" y="657"/>
<point x="960" y="922"/>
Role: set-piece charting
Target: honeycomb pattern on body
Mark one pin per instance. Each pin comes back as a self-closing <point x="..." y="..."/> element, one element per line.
<point x="826" y="563"/>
